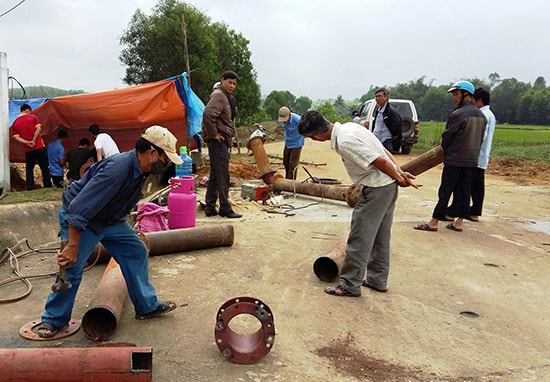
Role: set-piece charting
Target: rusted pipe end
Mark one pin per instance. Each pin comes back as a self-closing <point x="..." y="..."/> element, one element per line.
<point x="352" y="194"/>
<point x="99" y="323"/>
<point x="326" y="269"/>
<point x="254" y="142"/>
<point x="268" y="177"/>
<point x="249" y="347"/>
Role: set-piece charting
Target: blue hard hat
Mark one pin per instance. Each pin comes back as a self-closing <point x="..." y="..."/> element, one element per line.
<point x="462" y="85"/>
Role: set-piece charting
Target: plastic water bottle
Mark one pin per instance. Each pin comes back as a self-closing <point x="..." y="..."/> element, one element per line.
<point x="185" y="168"/>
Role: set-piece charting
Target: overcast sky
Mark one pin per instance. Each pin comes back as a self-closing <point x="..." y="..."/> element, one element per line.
<point x="314" y="48"/>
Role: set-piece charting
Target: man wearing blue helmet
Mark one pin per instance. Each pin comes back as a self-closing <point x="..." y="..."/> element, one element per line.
<point x="461" y="143"/>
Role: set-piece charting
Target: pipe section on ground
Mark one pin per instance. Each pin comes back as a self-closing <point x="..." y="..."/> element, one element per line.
<point x="242" y="346"/>
<point x="334" y="192"/>
<point x="179" y="240"/>
<point x="327" y="267"/>
<point x="101" y="319"/>
<point x="118" y="364"/>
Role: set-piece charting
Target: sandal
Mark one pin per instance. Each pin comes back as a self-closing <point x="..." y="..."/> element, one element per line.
<point x="453" y="228"/>
<point x="425" y="227"/>
<point x="51" y="330"/>
<point x="338" y="290"/>
<point x="164" y="307"/>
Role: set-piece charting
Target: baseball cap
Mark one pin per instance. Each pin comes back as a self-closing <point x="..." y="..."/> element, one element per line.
<point x="164" y="139"/>
<point x="284" y="112"/>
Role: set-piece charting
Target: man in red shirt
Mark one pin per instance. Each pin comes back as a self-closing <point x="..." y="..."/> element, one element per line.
<point x="26" y="129"/>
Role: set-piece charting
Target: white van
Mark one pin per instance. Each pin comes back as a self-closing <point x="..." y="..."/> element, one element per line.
<point x="409" y="119"/>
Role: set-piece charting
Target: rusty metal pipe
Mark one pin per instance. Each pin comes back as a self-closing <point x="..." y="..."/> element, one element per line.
<point x="425" y="161"/>
<point x="327" y="267"/>
<point x="189" y="239"/>
<point x="119" y="364"/>
<point x="256" y="145"/>
<point x="101" y="319"/>
<point x="335" y="192"/>
<point x="244" y="347"/>
<point x="179" y="240"/>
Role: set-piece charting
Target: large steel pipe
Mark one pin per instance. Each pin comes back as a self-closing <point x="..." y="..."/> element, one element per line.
<point x="335" y="192"/>
<point x="118" y="364"/>
<point x="256" y="145"/>
<point x="425" y="161"/>
<point x="179" y="240"/>
<point x="101" y="319"/>
<point x="327" y="267"/>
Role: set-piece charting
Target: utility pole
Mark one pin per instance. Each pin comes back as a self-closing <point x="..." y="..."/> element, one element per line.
<point x="185" y="51"/>
<point x="4" y="131"/>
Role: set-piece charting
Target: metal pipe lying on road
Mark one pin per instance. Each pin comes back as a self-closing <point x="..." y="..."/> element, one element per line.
<point x="335" y="192"/>
<point x="117" y="364"/>
<point x="179" y="240"/>
<point x="327" y="267"/>
<point x="101" y="319"/>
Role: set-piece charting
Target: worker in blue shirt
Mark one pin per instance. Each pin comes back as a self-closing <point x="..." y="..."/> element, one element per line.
<point x="293" y="141"/>
<point x="94" y="209"/>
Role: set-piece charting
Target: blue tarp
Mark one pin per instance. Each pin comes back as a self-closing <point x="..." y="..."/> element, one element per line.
<point x="15" y="106"/>
<point x="194" y="107"/>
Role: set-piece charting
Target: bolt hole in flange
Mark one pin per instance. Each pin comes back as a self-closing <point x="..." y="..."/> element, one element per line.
<point x="244" y="331"/>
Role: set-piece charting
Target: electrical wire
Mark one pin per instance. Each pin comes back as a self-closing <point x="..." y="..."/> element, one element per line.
<point x="8" y="256"/>
<point x="12" y="8"/>
<point x="24" y="95"/>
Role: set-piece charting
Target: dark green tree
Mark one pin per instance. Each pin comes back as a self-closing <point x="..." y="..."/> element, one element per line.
<point x="154" y="50"/>
<point x="540" y="108"/>
<point x="276" y="99"/>
<point x="505" y="99"/>
<point x="302" y="105"/>
<point x="435" y="105"/>
<point x="494" y="79"/>
<point x="540" y="83"/>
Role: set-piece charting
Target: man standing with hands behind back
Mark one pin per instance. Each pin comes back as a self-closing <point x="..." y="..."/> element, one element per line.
<point x="217" y="132"/>
<point x="26" y="130"/>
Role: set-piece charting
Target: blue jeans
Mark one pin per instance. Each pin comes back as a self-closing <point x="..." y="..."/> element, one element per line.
<point x="130" y="253"/>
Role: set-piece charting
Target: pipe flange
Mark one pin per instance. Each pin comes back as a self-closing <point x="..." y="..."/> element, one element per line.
<point x="244" y="348"/>
<point x="28" y="330"/>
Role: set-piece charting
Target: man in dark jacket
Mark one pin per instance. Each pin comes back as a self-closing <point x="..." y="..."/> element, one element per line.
<point x="461" y="142"/>
<point x="217" y="132"/>
<point x="387" y="122"/>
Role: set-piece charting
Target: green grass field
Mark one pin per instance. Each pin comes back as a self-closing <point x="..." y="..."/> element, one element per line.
<point x="524" y="142"/>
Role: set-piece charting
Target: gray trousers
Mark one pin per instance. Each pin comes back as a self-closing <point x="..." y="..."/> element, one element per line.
<point x="368" y="247"/>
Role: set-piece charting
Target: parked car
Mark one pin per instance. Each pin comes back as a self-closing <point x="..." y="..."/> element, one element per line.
<point x="409" y="120"/>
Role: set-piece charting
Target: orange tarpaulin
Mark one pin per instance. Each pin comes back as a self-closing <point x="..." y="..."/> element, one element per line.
<point x="122" y="113"/>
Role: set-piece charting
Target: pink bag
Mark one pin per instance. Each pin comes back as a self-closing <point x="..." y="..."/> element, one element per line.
<point x="151" y="217"/>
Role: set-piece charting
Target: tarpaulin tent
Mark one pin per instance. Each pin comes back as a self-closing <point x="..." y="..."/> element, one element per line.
<point x="122" y="113"/>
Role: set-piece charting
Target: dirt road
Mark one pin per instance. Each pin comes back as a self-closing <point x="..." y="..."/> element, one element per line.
<point x="470" y="306"/>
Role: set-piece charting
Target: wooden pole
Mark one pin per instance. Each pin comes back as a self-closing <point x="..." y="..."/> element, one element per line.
<point x="185" y="51"/>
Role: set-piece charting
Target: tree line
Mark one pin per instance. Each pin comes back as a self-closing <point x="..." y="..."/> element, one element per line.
<point x="176" y="37"/>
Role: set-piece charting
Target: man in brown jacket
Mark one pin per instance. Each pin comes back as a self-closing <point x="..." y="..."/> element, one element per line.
<point x="217" y="132"/>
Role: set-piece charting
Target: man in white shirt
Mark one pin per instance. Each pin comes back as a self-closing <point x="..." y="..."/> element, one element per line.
<point x="369" y="164"/>
<point x="105" y="145"/>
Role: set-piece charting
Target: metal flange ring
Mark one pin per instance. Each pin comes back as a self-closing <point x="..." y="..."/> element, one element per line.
<point x="244" y="348"/>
